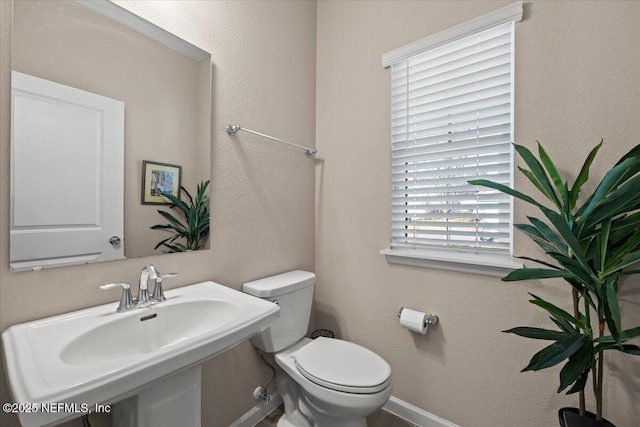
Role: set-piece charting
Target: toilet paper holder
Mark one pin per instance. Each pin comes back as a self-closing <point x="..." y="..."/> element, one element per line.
<point x="431" y="319"/>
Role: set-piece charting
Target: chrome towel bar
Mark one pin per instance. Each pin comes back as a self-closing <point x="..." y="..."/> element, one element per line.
<point x="232" y="129"/>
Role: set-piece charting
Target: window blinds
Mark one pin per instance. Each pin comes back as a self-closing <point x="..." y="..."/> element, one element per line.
<point x="452" y="121"/>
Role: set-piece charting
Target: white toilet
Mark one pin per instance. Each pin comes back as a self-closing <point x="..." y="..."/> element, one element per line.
<point x="324" y="382"/>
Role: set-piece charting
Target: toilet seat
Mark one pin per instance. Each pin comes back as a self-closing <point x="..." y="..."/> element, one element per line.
<point x="343" y="366"/>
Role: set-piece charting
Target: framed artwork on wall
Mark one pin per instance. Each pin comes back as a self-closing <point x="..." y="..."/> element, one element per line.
<point x="159" y="179"/>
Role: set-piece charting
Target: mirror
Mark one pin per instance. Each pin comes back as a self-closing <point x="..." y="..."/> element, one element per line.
<point x="96" y="93"/>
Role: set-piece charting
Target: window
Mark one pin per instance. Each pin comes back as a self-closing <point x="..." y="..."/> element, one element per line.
<point x="452" y="121"/>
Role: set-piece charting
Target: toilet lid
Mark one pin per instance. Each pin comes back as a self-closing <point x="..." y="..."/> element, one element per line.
<point x="343" y="366"/>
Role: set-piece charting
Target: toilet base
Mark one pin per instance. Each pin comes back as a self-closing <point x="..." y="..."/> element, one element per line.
<point x="290" y="392"/>
<point x="299" y="412"/>
<point x="283" y="422"/>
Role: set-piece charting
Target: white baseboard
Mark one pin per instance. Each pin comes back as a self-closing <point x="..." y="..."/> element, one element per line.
<point x="415" y="415"/>
<point x="258" y="412"/>
<point x="395" y="406"/>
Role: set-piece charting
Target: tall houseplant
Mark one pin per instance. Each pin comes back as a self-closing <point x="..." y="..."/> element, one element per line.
<point x="193" y="228"/>
<point x="591" y="246"/>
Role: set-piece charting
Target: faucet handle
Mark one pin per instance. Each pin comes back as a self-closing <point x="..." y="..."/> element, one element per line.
<point x="148" y="272"/>
<point x="124" y="285"/>
<point x="158" y="294"/>
<point x="126" y="301"/>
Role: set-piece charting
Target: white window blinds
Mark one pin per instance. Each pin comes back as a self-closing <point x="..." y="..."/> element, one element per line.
<point x="452" y="121"/>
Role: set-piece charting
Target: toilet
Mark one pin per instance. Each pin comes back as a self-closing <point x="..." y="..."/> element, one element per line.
<point x="324" y="382"/>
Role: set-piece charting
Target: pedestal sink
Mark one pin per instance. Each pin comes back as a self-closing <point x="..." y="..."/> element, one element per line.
<point x="99" y="357"/>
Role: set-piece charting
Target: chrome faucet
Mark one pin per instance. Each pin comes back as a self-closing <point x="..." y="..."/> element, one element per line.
<point x="126" y="302"/>
<point x="148" y="272"/>
<point x="143" y="299"/>
<point x="158" y="295"/>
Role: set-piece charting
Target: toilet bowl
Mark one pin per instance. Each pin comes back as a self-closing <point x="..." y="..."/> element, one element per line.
<point x="335" y="394"/>
<point x="324" y="382"/>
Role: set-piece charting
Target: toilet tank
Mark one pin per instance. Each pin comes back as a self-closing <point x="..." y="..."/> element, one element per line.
<point x="293" y="291"/>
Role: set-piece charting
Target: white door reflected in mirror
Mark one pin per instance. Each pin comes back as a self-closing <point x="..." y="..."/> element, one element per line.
<point x="67" y="175"/>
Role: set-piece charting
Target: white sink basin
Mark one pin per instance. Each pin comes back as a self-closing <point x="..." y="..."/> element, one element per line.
<point x="144" y="332"/>
<point x="99" y="356"/>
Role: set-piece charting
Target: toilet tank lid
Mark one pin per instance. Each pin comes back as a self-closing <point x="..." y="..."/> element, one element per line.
<point x="280" y="284"/>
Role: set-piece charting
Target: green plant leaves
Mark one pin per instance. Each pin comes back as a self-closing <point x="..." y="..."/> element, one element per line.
<point x="578" y="348"/>
<point x="565" y="326"/>
<point x="612" y="179"/>
<point x="601" y="242"/>
<point x="624" y="336"/>
<point x="538" y="175"/>
<point x="558" y="313"/>
<point x="504" y="189"/>
<point x="582" y="178"/>
<point x="572" y="266"/>
<point x="536" y="236"/>
<point x="622" y="199"/>
<point x="549" y="235"/>
<point x="578" y="364"/>
<point x="630" y="349"/>
<point x="538" y="333"/>
<point x="534" y="273"/>
<point x="555" y="353"/>
<point x="567" y="235"/>
<point x="580" y="383"/>
<point x="193" y="229"/>
<point x="634" y="152"/>
<point x="612" y="311"/>
<point x="550" y="167"/>
<point x="593" y="245"/>
<point x="539" y="262"/>
<point x="175" y="223"/>
<point x="630" y="259"/>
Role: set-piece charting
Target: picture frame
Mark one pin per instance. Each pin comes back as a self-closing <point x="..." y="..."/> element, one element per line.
<point x="159" y="178"/>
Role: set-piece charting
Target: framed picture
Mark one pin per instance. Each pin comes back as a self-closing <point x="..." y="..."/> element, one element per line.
<point x="159" y="179"/>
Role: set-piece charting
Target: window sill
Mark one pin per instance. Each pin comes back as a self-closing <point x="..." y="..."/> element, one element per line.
<point x="489" y="265"/>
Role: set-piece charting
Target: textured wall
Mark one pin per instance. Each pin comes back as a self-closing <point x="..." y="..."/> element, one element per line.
<point x="262" y="209"/>
<point x="577" y="81"/>
<point x="577" y="68"/>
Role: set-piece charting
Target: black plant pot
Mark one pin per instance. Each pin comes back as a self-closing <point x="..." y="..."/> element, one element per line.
<point x="570" y="417"/>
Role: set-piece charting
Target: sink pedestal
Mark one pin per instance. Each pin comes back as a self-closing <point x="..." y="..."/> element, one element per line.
<point x="170" y="402"/>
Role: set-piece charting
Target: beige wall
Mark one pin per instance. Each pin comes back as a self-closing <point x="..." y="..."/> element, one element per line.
<point x="577" y="68"/>
<point x="70" y="44"/>
<point x="262" y="219"/>
<point x="577" y="81"/>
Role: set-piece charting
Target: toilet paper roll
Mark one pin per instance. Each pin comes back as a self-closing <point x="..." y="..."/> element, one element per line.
<point x="415" y="321"/>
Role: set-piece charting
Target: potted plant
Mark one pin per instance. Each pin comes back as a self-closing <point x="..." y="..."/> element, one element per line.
<point x="591" y="246"/>
<point x="194" y="228"/>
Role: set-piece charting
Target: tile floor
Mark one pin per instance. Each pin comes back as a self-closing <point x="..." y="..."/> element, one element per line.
<point x="379" y="419"/>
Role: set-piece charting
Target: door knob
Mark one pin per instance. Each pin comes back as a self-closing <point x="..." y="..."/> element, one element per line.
<point x="115" y="240"/>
